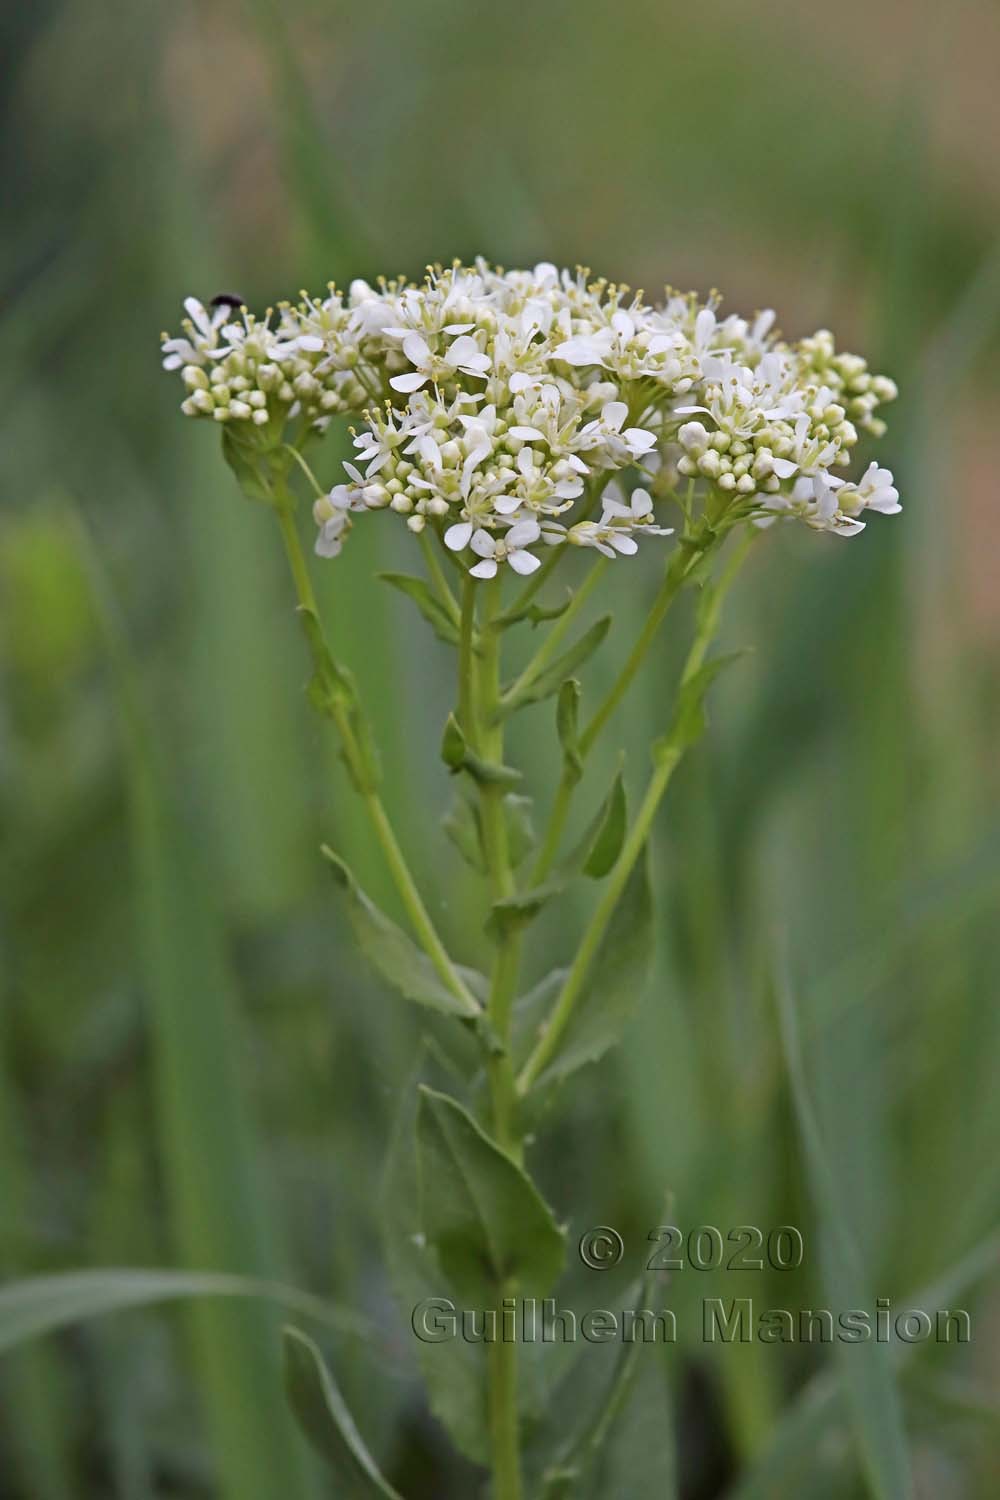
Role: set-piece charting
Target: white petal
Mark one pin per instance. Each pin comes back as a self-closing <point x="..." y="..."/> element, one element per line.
<point x="524" y="532"/>
<point x="642" y="505"/>
<point x="704" y="326"/>
<point x="519" y="381"/>
<point x="329" y="542"/>
<point x="198" y="315"/>
<point x="482" y="543"/>
<point x="614" y="414"/>
<point x="784" y="467"/>
<point x="458" y="536"/>
<point x="506" y="505"/>
<point x="623" y="324"/>
<point x="485" y="569"/>
<point x="411" y="382"/>
<point x="639" y="441"/>
<point x="527" y="433"/>
<point x="624" y="543"/>
<point x="579" y="352"/>
<point x="523" y="562"/>
<point x="417" y="349"/>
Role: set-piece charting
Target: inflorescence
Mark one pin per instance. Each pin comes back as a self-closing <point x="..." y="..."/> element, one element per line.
<point x="498" y="406"/>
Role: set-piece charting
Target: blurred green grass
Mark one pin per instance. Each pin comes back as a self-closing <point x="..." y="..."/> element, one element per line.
<point x="845" y="802"/>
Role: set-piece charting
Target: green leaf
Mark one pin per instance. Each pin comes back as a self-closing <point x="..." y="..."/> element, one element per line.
<point x="41" y="1305"/>
<point x="442" y="621"/>
<point x="457" y="756"/>
<point x="514" y="912"/>
<point x="483" y="1216"/>
<point x="462" y="824"/>
<point x="567" y="716"/>
<point x="866" y="1370"/>
<point x="604" y="1427"/>
<point x="325" y="1419"/>
<point x="602" y="843"/>
<point x="394" y="955"/>
<point x="638" y="1454"/>
<point x="690" y="719"/>
<point x="454" y="1372"/>
<point x="333" y="692"/>
<point x="530" y="1011"/>
<point x="550" y="680"/>
<point x="536" y="613"/>
<point x="521" y="838"/>
<point x="244" y="462"/>
<point x="617" y="980"/>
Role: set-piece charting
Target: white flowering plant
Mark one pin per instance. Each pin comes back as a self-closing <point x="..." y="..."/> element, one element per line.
<point x="508" y="418"/>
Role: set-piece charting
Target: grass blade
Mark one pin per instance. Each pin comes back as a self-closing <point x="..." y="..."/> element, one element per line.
<point x="866" y="1373"/>
<point x="47" y="1304"/>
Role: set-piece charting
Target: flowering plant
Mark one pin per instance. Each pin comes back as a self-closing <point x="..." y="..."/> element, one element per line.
<point x="509" y="417"/>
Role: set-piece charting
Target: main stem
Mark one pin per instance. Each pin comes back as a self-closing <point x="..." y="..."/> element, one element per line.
<point x="479" y="701"/>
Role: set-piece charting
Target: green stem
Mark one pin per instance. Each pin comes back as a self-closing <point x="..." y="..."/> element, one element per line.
<point x="556" y="634"/>
<point x="549" y="848"/>
<point x="489" y="742"/>
<point x="690" y="552"/>
<point x="412" y="901"/>
<point x="683" y="561"/>
<point x="479" y="693"/>
<point x="466" y="661"/>
<point x="438" y="579"/>
<point x="667" y="761"/>
<point x="503" y="1418"/>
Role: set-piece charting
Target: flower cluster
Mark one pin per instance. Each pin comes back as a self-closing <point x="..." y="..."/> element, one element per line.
<point x="499" y="406"/>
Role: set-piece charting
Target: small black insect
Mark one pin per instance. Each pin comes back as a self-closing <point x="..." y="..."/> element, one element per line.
<point x="228" y="299"/>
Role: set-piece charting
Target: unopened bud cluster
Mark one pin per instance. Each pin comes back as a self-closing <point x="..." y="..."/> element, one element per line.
<point x="498" y="407"/>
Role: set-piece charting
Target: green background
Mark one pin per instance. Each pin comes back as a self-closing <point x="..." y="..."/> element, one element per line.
<point x="195" y="1069"/>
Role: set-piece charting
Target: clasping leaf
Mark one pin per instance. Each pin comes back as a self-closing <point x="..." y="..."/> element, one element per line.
<point x="483" y="1216"/>
<point x="457" y="756"/>
<point x="396" y="957"/>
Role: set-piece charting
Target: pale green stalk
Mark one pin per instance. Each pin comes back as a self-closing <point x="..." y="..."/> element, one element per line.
<point x="412" y="901"/>
<point x="436" y="572"/>
<point x="685" y="559"/>
<point x="666" y="763"/>
<point x="556" y="634"/>
<point x="479" y="701"/>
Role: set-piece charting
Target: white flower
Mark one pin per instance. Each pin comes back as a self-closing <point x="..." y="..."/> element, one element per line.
<point x="489" y="400"/>
<point x="637" y="513"/>
<point x="874" y="491"/>
<point x="615" y="533"/>
<point x="202" y="335"/>
<point x="494" y="550"/>
<point x="463" y="355"/>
